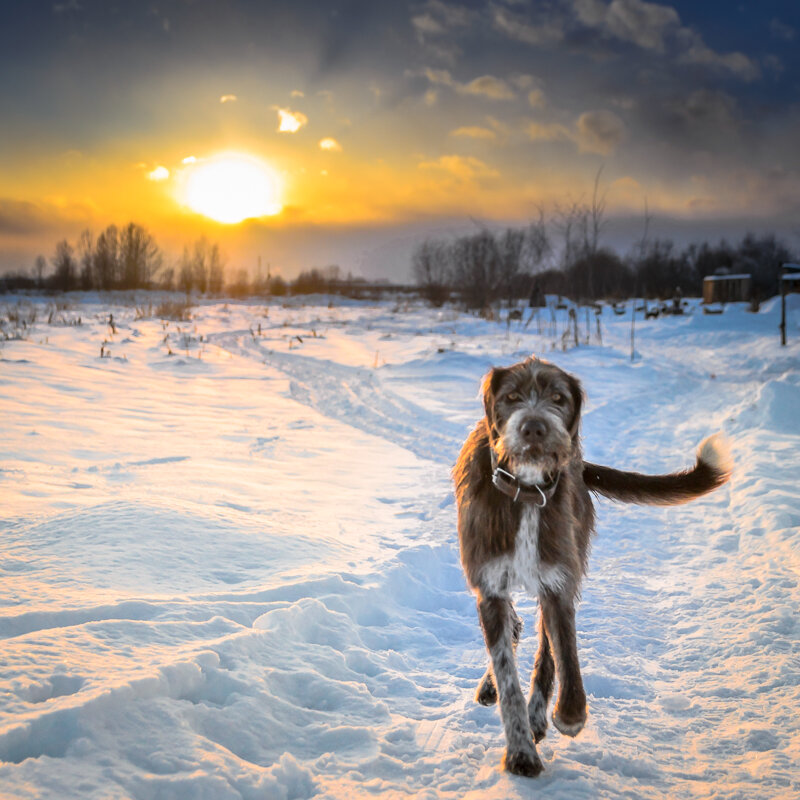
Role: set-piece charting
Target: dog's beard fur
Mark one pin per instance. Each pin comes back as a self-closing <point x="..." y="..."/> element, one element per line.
<point x="532" y="462"/>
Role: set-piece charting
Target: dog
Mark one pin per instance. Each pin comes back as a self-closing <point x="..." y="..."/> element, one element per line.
<point x="525" y="520"/>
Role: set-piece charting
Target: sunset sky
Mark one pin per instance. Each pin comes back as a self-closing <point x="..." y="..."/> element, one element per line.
<point x="360" y="126"/>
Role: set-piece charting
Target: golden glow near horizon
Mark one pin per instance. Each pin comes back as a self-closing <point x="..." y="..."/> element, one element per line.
<point x="231" y="188"/>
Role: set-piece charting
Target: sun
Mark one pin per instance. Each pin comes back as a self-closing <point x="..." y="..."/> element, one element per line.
<point x="231" y="188"/>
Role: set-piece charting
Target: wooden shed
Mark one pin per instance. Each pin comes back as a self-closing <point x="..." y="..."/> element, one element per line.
<point x="726" y="288"/>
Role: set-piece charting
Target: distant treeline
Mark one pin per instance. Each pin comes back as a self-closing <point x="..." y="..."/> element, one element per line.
<point x="129" y="258"/>
<point x="564" y="258"/>
<point x="484" y="267"/>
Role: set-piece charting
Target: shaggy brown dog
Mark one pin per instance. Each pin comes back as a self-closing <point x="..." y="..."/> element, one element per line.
<point x="525" y="516"/>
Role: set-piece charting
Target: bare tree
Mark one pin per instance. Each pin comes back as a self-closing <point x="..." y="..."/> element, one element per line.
<point x="106" y="262"/>
<point x="510" y="246"/>
<point x="185" y="272"/>
<point x="140" y="257"/>
<point x="215" y="270"/>
<point x="597" y="212"/>
<point x="39" y="267"/>
<point x="86" y="259"/>
<point x="571" y="221"/>
<point x="537" y="246"/>
<point x="477" y="269"/>
<point x="65" y="267"/>
<point x="430" y="265"/>
<point x="200" y="265"/>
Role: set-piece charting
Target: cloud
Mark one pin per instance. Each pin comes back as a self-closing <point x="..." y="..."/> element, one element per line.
<point x="18" y="218"/>
<point x="780" y="30"/>
<point x="488" y="86"/>
<point x="290" y="121"/>
<point x="69" y="5"/>
<point x="697" y="52"/>
<point x="485" y="85"/>
<point x="643" y="24"/>
<point x="593" y="132"/>
<point x="438" y="17"/>
<point x="425" y="24"/>
<point x="549" y="132"/>
<point x="330" y="144"/>
<point x="710" y="110"/>
<point x="465" y="168"/>
<point x="189" y="160"/>
<point x="158" y="174"/>
<point x="650" y="25"/>
<point x="523" y="81"/>
<point x="512" y="25"/>
<point x="599" y="132"/>
<point x="536" y="98"/>
<point x="228" y="98"/>
<point x="474" y="132"/>
<point x="22" y="218"/>
<point x="296" y="93"/>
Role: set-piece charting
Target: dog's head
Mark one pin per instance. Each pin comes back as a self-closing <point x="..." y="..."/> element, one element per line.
<point x="533" y="409"/>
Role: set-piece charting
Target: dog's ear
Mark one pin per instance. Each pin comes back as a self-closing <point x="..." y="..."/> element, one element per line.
<point x="576" y="390"/>
<point x="491" y="383"/>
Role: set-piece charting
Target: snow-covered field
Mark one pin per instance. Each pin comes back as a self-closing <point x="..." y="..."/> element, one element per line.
<point x="232" y="571"/>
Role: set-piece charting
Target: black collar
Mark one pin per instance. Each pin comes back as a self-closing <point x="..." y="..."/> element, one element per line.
<point x="511" y="486"/>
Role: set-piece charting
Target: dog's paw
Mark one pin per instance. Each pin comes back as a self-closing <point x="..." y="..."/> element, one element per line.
<point x="486" y="694"/>
<point x="571" y="725"/>
<point x="537" y="716"/>
<point x="523" y="762"/>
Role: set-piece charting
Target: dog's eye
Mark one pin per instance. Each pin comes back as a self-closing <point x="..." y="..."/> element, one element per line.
<point x="557" y="398"/>
<point x="514" y="396"/>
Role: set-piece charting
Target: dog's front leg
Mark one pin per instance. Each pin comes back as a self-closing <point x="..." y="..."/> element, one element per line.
<point x="541" y="684"/>
<point x="486" y="694"/>
<point x="497" y="620"/>
<point x="558" y="613"/>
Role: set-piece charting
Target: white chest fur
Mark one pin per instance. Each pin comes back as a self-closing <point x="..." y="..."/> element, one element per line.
<point x="522" y="569"/>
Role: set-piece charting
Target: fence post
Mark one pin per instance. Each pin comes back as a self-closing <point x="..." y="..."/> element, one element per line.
<point x="786" y="270"/>
<point x="783" y="307"/>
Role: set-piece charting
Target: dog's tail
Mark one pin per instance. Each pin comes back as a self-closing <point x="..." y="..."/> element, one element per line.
<point x="713" y="468"/>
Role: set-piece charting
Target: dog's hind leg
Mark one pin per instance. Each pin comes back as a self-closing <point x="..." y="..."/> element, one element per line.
<point x="497" y="620"/>
<point x="541" y="684"/>
<point x="486" y="693"/>
<point x="558" y="612"/>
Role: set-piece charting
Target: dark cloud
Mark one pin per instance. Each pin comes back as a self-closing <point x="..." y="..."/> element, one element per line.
<point x="712" y="111"/>
<point x="19" y="218"/>
<point x="600" y="131"/>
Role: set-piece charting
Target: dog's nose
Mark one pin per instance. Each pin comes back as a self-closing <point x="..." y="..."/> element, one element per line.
<point x="533" y="429"/>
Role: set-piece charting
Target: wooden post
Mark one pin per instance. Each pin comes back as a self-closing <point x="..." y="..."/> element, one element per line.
<point x="794" y="271"/>
<point x="783" y="306"/>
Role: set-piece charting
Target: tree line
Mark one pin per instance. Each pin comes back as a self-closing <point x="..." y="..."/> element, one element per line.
<point x="565" y="256"/>
<point x="129" y="257"/>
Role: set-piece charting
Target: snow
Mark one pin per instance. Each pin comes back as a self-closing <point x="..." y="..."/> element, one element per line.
<point x="232" y="572"/>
